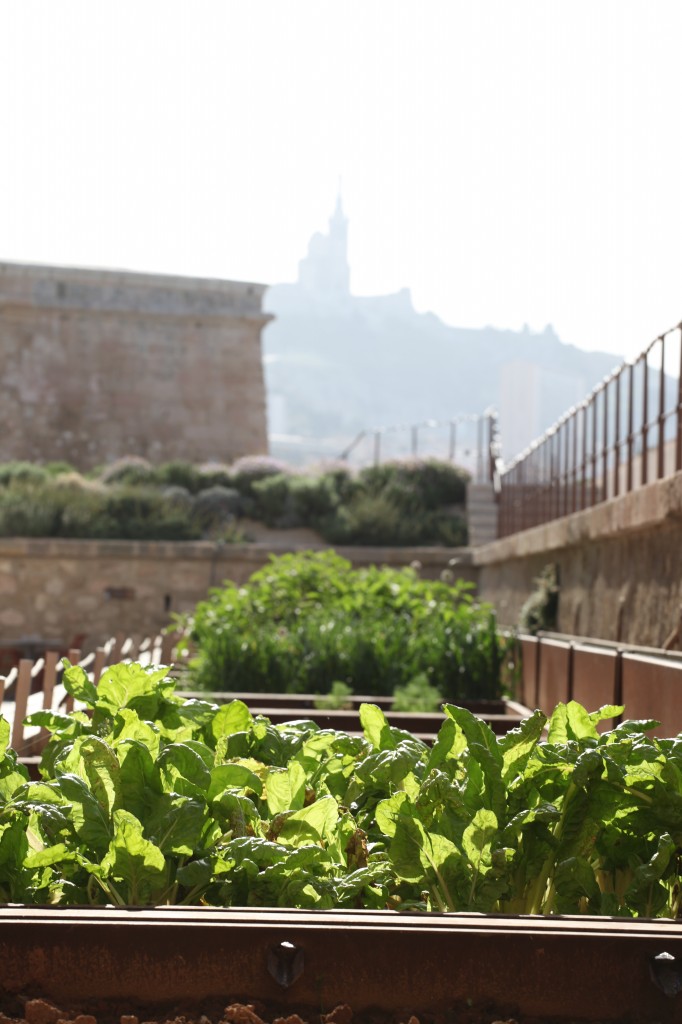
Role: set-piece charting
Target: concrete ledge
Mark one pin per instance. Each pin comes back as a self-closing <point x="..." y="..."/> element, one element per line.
<point x="211" y="551"/>
<point x="641" y="510"/>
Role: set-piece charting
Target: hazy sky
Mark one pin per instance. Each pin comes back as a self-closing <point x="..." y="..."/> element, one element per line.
<point x="510" y="161"/>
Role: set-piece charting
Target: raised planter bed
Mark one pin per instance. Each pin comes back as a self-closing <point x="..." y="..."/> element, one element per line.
<point x="387" y="967"/>
<point x="501" y="715"/>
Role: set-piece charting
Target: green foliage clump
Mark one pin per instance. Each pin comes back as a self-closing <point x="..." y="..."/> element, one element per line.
<point x="131" y="470"/>
<point x="396" y="504"/>
<point x="417" y="695"/>
<point x="305" y="620"/>
<point x="541" y="608"/>
<point x="22" y="472"/>
<point x="147" y="799"/>
<point x="72" y="509"/>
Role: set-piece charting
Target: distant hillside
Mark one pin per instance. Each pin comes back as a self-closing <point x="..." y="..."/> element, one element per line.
<point x="336" y="363"/>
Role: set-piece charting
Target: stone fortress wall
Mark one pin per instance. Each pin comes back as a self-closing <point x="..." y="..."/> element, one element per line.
<point x="96" y="364"/>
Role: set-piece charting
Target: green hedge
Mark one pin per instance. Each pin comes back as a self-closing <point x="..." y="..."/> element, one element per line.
<point x="412" y="502"/>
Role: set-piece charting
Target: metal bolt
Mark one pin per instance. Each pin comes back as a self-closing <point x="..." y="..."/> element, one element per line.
<point x="666" y="973"/>
<point x="285" y="963"/>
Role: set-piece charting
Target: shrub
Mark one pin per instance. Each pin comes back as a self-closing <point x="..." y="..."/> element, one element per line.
<point x="139" y="513"/>
<point x="271" y="500"/>
<point x="130" y="469"/>
<point x="287" y="500"/>
<point x="178" y="498"/>
<point x="215" y="508"/>
<point x="248" y="470"/>
<point x="22" y="472"/>
<point x="435" y="483"/>
<point x="384" y="519"/>
<point x="179" y="474"/>
<point x="214" y="474"/>
<point x="305" y="621"/>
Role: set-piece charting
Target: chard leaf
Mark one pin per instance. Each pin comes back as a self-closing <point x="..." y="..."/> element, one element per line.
<point x="176" y="825"/>
<point x="50" y="855"/>
<point x="607" y="711"/>
<point x="96" y="763"/>
<point x="4" y="735"/>
<point x="646" y="894"/>
<point x="313" y="823"/>
<point x="128" y="725"/>
<point x="285" y="789"/>
<point x="518" y="745"/>
<point x="145" y="690"/>
<point x="388" y="811"/>
<point x="139" y="778"/>
<point x="572" y="722"/>
<point x="91" y="820"/>
<point x="233" y="776"/>
<point x="134" y="861"/>
<point x="231" y="718"/>
<point x="236" y="811"/>
<point x="66" y="725"/>
<point x="76" y="683"/>
<point x="576" y="887"/>
<point x="478" y="839"/>
<point x="375" y="727"/>
<point x="475" y="729"/>
<point x="450" y="743"/>
<point x="183" y="771"/>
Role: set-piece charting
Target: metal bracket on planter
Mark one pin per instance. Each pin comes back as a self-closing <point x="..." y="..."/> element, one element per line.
<point x="285" y="963"/>
<point x="666" y="973"/>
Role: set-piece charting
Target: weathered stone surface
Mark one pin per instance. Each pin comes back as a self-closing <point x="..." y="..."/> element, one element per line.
<point x="97" y="364"/>
<point x="619" y="564"/>
<point x="133" y="587"/>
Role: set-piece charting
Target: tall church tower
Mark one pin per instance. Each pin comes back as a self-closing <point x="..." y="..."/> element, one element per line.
<point x="325" y="269"/>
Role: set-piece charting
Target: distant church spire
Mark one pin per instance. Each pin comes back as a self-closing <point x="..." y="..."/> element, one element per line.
<point x="325" y="269"/>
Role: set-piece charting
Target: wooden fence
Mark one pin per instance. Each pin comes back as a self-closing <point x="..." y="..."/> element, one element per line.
<point x="37" y="685"/>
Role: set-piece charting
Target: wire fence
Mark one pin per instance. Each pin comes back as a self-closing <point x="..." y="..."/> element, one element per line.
<point x="625" y="434"/>
<point x="466" y="440"/>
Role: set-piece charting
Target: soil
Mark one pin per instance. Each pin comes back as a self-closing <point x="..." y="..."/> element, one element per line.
<point x="20" y="1010"/>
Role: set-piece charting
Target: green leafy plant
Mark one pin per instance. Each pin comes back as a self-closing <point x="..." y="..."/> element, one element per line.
<point x="338" y="698"/>
<point x="308" y="619"/>
<point x="146" y="798"/>
<point x="417" y="695"/>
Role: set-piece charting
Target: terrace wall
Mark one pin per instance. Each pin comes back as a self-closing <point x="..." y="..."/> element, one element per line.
<point x="619" y="564"/>
<point x="58" y="590"/>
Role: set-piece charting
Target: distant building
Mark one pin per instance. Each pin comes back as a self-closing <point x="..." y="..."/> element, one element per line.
<point x="325" y="271"/>
<point x="96" y="364"/>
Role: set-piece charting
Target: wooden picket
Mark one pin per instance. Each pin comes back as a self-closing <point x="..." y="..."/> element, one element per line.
<point x="37" y="685"/>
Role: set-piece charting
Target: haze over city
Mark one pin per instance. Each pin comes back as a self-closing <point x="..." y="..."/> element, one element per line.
<point x="509" y="163"/>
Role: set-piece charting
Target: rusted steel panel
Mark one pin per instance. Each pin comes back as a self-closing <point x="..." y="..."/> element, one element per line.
<point x="554" y="670"/>
<point x="528" y="694"/>
<point x="595" y="678"/>
<point x="565" y="968"/>
<point x="652" y="688"/>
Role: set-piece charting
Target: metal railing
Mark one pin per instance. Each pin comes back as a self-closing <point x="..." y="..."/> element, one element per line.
<point x="469" y="439"/>
<point x="625" y="434"/>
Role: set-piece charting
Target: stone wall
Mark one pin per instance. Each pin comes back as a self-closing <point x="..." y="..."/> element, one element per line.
<point x="97" y="364"/>
<point x="58" y="591"/>
<point x="619" y="564"/>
